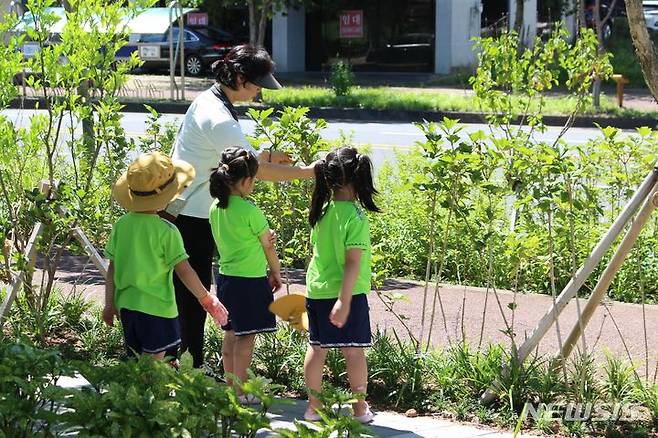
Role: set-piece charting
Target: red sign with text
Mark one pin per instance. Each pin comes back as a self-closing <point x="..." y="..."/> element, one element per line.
<point x="197" y="19"/>
<point x="351" y="24"/>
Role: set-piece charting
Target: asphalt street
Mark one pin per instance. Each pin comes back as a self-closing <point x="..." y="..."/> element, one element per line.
<point x="382" y="138"/>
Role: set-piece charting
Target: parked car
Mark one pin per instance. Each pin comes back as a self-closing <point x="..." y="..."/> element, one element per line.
<point x="203" y="46"/>
<point x="651" y="14"/>
<point x="604" y="10"/>
<point x="409" y="50"/>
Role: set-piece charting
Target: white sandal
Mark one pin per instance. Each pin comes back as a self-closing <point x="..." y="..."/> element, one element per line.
<point x="367" y="417"/>
<point x="311" y="415"/>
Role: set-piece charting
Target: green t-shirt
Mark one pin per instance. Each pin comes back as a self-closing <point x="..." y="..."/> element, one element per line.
<point x="237" y="230"/>
<point x="343" y="226"/>
<point x="144" y="249"/>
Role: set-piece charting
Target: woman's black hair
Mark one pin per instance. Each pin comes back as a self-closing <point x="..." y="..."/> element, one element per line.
<point x="247" y="60"/>
<point x="235" y="164"/>
<point x="342" y="167"/>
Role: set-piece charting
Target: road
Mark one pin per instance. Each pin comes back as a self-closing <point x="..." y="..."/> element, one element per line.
<point x="383" y="138"/>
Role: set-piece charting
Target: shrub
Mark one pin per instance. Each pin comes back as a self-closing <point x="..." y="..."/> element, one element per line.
<point x="27" y="377"/>
<point x="342" y="78"/>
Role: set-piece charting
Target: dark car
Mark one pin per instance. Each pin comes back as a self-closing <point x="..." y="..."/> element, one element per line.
<point x="604" y="11"/>
<point x="411" y="50"/>
<point x="203" y="46"/>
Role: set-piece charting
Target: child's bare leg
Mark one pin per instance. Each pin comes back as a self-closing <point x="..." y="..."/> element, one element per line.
<point x="157" y="356"/>
<point x="313" y="368"/>
<point x="242" y="352"/>
<point x="357" y="374"/>
<point x="228" y="355"/>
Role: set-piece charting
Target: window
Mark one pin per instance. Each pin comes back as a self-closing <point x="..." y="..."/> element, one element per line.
<point x="189" y="36"/>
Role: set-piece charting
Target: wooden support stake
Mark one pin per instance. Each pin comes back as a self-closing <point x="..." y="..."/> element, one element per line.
<point x="30" y="254"/>
<point x="576" y="282"/>
<point x="609" y="274"/>
<point x="81" y="237"/>
<point x="98" y="260"/>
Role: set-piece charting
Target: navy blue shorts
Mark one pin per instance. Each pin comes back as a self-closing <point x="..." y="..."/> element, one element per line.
<point x="247" y="301"/>
<point x="144" y="333"/>
<point x="355" y="332"/>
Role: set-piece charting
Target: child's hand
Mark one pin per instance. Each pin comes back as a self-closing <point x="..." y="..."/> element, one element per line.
<point x="339" y="313"/>
<point x="109" y="312"/>
<point x="274" y="279"/>
<point x="215" y="308"/>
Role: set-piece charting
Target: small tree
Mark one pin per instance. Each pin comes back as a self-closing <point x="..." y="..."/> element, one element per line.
<point x="78" y="80"/>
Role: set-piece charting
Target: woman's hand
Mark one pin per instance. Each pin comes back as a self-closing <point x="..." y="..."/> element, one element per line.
<point x="275" y="157"/>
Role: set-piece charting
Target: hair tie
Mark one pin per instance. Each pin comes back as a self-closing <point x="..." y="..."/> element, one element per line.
<point x="225" y="167"/>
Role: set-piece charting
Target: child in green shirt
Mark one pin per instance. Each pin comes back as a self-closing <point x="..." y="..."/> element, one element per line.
<point x="338" y="276"/>
<point x="246" y="248"/>
<point x="144" y="250"/>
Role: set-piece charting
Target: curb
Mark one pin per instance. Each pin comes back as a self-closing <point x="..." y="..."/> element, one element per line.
<point x="374" y="115"/>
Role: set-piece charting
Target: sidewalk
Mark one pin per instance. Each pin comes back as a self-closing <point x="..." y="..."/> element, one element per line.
<point x="148" y="87"/>
<point x="386" y="425"/>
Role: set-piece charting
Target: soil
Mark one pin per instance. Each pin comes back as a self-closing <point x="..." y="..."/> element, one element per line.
<point x="616" y="328"/>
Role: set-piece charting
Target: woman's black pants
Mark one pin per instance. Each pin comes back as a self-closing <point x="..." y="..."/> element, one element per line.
<point x="200" y="247"/>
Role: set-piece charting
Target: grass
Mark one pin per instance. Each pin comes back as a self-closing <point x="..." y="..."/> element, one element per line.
<point x="392" y="98"/>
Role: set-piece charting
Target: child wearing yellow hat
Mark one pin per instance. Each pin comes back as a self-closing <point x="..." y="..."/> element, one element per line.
<point x="144" y="250"/>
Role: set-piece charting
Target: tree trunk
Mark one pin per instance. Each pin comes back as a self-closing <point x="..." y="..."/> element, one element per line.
<point x="252" y="22"/>
<point x="518" y="18"/>
<point x="262" y="23"/>
<point x="582" y="22"/>
<point x="644" y="48"/>
<point x="596" y="87"/>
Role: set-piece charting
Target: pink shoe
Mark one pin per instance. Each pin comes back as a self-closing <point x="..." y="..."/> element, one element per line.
<point x="367" y="417"/>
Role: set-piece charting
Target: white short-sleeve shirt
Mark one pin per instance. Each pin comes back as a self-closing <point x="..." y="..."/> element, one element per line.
<point x="207" y="129"/>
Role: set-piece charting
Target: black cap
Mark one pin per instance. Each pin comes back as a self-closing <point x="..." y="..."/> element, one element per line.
<point x="267" y="81"/>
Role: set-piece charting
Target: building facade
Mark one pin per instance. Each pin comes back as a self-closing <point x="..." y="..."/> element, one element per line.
<point x="432" y="36"/>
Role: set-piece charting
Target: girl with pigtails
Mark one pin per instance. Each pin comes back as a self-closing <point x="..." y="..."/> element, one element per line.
<point x="338" y="276"/>
<point x="246" y="249"/>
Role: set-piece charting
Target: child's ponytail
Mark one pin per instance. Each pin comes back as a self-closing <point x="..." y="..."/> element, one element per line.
<point x="235" y="164"/>
<point x="365" y="189"/>
<point x="220" y="188"/>
<point x="321" y="193"/>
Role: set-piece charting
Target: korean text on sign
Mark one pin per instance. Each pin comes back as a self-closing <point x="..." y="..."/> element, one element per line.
<point x="351" y="24"/>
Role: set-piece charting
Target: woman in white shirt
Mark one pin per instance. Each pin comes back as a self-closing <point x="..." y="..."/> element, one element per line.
<point x="210" y="125"/>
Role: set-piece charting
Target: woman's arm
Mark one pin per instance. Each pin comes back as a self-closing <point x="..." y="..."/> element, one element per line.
<point x="275" y="166"/>
<point x="279" y="172"/>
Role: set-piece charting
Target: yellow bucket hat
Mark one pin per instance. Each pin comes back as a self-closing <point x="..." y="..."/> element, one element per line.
<point x="291" y="308"/>
<point x="151" y="182"/>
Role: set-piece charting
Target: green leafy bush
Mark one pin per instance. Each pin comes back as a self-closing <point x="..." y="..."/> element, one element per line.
<point x="341" y="78"/>
<point x="27" y="377"/>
